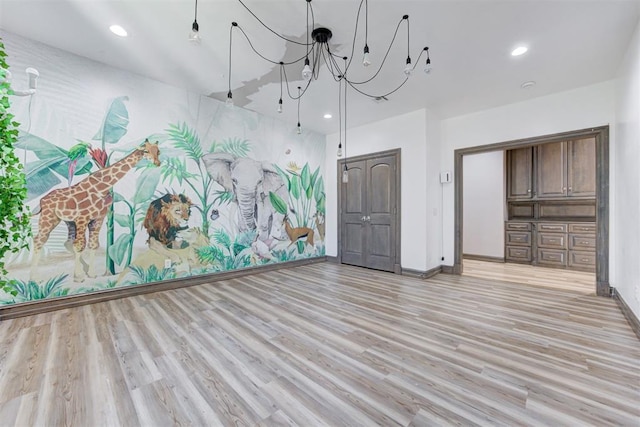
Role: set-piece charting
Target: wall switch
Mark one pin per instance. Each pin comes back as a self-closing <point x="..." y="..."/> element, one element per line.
<point x="445" y="177"/>
<point x="167" y="263"/>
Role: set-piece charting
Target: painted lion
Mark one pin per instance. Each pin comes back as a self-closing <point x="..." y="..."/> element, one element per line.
<point x="182" y="260"/>
<point x="165" y="218"/>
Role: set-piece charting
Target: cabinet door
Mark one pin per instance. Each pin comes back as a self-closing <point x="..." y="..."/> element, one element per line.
<point x="551" y="170"/>
<point x="520" y="173"/>
<point x="581" y="167"/>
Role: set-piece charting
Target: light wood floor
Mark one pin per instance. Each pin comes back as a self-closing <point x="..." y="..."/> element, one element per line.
<point x="326" y="345"/>
<point x="578" y="281"/>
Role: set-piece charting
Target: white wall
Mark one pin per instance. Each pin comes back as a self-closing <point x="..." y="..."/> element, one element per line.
<point x="483" y="204"/>
<point x="627" y="173"/>
<point x="581" y="108"/>
<point x="407" y="132"/>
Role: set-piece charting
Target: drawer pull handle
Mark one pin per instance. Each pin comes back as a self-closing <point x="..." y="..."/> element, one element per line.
<point x="585" y="259"/>
<point x="585" y="242"/>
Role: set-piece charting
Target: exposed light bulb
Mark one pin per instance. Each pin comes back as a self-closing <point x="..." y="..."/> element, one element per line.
<point x="306" y="71"/>
<point x="194" y="35"/>
<point x="339" y="153"/>
<point x="229" y="101"/>
<point x="280" y="105"/>
<point x="427" y="68"/>
<point x="345" y="175"/>
<point x="365" y="59"/>
<point x="299" y="129"/>
<point x="409" y="68"/>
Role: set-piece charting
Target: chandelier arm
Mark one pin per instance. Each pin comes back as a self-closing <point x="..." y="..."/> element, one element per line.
<point x="419" y="56"/>
<point x="341" y="73"/>
<point x="386" y="55"/>
<point x="333" y="66"/>
<point x="269" y="28"/>
<point x="264" y="57"/>
<point x="230" y="44"/>
<point x="316" y="63"/>
<point x="378" y="96"/>
<point x="286" y="80"/>
<point x="355" y="34"/>
<point x="366" y="21"/>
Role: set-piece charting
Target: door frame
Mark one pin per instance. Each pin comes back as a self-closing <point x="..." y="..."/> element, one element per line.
<point x="601" y="135"/>
<point x="397" y="269"/>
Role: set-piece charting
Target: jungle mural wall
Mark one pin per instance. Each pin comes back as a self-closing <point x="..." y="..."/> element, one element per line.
<point x="132" y="181"/>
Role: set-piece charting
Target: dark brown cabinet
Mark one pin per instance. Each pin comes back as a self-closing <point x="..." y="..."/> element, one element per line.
<point x="551" y="191"/>
<point x="566" y="169"/>
<point x="520" y="173"/>
<point x="551" y="244"/>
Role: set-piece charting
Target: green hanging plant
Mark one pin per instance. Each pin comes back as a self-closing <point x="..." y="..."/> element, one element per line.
<point x="15" y="226"/>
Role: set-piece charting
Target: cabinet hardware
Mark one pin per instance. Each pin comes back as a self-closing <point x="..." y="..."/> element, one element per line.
<point x="585" y="259"/>
<point x="528" y="191"/>
<point x="585" y="243"/>
<point x="570" y="189"/>
<point x="364" y="218"/>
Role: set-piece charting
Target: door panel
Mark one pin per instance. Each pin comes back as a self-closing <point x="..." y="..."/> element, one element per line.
<point x="353" y="202"/>
<point x="353" y="196"/>
<point x="551" y="170"/>
<point x="581" y="155"/>
<point x="369" y="214"/>
<point x="380" y="184"/>
<point x="520" y="170"/>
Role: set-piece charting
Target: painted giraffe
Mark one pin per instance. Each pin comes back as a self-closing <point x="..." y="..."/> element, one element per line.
<point x="85" y="206"/>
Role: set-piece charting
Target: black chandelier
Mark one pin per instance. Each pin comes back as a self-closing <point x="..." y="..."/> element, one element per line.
<point x="318" y="50"/>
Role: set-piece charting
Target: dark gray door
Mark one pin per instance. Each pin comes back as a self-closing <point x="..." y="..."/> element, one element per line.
<point x="369" y="217"/>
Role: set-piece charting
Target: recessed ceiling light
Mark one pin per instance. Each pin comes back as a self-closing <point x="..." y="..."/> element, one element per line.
<point x="118" y="30"/>
<point x="327" y="116"/>
<point x="519" y="51"/>
<point x="527" y="85"/>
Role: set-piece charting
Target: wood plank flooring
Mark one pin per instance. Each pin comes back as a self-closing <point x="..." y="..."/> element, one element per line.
<point x="579" y="281"/>
<point x="326" y="344"/>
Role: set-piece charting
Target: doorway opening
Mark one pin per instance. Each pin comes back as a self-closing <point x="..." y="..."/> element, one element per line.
<point x="600" y="207"/>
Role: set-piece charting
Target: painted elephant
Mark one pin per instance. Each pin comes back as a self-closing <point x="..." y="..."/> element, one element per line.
<point x="250" y="181"/>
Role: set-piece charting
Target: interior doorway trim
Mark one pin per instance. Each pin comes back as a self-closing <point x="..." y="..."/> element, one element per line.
<point x="341" y="162"/>
<point x="601" y="135"/>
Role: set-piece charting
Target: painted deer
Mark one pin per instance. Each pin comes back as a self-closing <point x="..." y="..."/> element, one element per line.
<point x="85" y="205"/>
<point x="297" y="233"/>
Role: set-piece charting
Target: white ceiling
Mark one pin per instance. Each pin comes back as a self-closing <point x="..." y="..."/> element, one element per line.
<point x="571" y="43"/>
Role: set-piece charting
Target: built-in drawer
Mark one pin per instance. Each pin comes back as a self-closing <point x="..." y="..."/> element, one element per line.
<point x="522" y="226"/>
<point x="519" y="238"/>
<point x="552" y="240"/>
<point x="553" y="227"/>
<point x="584" y="228"/>
<point x="552" y="257"/>
<point x="582" y="242"/>
<point x="518" y="253"/>
<point x="582" y="259"/>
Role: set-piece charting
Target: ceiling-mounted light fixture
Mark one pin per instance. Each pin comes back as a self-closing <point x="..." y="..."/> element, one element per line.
<point x="520" y="50"/>
<point x="427" y="67"/>
<point x="194" y="35"/>
<point x="365" y="57"/>
<point x="229" y="100"/>
<point x="317" y="50"/>
<point x="408" y="69"/>
<point x="280" y="100"/>
<point x="118" y="30"/>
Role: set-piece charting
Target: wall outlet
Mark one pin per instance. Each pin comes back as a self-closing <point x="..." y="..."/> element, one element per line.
<point x="167" y="263"/>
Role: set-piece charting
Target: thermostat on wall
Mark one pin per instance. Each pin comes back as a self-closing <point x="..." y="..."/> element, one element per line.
<point x="445" y="177"/>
